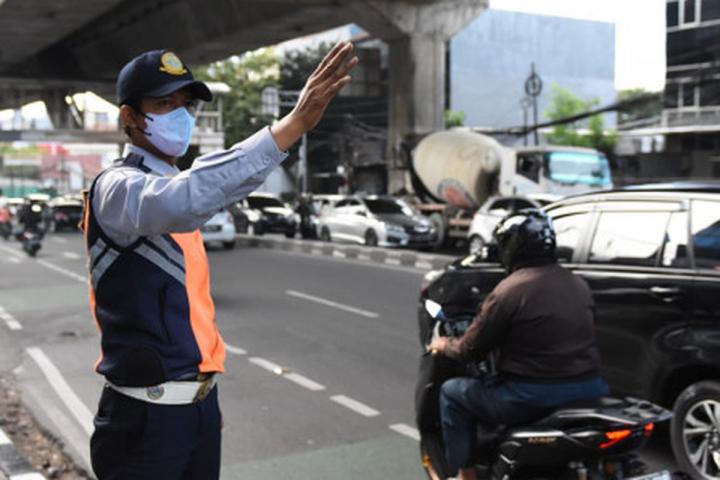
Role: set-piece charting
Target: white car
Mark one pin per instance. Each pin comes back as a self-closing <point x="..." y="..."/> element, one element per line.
<point x="220" y="229"/>
<point x="376" y="221"/>
<point x="491" y="212"/>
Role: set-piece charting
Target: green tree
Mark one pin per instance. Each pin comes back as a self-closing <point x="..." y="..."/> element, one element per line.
<point x="454" y="119"/>
<point x="564" y="104"/>
<point x="297" y="65"/>
<point x="247" y="76"/>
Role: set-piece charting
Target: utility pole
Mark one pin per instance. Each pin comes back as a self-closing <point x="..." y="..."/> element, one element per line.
<point x="525" y="104"/>
<point x="533" y="88"/>
<point x="272" y="100"/>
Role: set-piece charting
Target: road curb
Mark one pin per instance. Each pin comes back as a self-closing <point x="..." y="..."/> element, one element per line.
<point x="406" y="258"/>
<point x="13" y="466"/>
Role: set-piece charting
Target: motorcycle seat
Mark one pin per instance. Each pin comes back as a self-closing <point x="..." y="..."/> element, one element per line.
<point x="565" y="415"/>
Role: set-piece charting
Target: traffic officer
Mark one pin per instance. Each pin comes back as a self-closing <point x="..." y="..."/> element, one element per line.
<point x="158" y="416"/>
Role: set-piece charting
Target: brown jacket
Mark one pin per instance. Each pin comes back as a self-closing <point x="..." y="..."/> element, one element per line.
<point x="541" y="321"/>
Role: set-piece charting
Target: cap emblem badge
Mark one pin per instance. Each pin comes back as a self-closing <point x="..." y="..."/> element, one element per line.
<point x="170" y="63"/>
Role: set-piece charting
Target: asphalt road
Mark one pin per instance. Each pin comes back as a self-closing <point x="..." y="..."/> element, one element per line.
<point x="341" y="332"/>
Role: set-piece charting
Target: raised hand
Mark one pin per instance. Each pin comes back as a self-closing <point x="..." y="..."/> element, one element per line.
<point x="330" y="76"/>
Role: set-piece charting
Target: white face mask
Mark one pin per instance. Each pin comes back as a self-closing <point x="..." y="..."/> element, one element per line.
<point x="170" y="132"/>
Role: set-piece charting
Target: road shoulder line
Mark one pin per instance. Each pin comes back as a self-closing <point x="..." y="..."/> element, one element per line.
<point x="62" y="388"/>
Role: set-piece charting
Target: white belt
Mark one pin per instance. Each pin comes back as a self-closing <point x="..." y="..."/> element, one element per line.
<point x="170" y="393"/>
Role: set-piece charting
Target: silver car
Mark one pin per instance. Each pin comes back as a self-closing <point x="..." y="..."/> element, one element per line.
<point x="376" y="221"/>
<point x="491" y="212"/>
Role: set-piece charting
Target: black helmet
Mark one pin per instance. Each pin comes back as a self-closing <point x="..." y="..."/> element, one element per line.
<point x="525" y="236"/>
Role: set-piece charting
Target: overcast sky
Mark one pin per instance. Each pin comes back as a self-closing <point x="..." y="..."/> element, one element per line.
<point x="639" y="33"/>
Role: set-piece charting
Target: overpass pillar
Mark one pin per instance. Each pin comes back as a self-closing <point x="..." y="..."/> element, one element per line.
<point x="417" y="35"/>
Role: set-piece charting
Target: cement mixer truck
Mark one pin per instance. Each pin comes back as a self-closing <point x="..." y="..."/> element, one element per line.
<point x="455" y="171"/>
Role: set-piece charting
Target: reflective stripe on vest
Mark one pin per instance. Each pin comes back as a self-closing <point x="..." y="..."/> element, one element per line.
<point x="151" y="301"/>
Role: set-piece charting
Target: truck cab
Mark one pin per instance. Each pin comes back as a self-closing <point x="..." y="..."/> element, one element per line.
<point x="555" y="170"/>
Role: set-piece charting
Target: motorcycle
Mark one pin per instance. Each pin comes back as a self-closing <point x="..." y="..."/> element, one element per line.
<point x="591" y="440"/>
<point x="31" y="242"/>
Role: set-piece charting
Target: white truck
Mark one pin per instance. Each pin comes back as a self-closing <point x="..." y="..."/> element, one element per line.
<point x="460" y="169"/>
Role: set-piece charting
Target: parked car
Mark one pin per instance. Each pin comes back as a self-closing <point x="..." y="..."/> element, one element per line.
<point x="488" y="216"/>
<point x="65" y="213"/>
<point x="651" y="256"/>
<point x="261" y="213"/>
<point x="376" y="221"/>
<point x="220" y="229"/>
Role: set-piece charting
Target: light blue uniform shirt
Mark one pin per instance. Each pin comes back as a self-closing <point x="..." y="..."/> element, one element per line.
<point x="129" y="203"/>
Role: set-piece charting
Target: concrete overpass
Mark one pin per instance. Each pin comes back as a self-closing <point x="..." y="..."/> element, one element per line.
<point x="50" y="48"/>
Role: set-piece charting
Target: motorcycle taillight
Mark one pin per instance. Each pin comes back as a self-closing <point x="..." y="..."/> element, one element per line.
<point x="615" y="436"/>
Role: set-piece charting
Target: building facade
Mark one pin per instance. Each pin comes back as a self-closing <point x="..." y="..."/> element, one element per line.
<point x="491" y="59"/>
<point x="691" y="114"/>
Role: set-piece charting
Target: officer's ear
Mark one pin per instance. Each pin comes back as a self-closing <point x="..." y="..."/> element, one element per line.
<point x="131" y="119"/>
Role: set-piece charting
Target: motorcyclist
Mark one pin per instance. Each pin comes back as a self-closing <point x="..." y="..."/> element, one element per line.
<point x="31" y="217"/>
<point x="5" y="221"/>
<point x="306" y="210"/>
<point x="538" y="323"/>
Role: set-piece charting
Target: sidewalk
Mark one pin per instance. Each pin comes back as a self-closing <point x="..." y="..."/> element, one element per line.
<point x="406" y="258"/>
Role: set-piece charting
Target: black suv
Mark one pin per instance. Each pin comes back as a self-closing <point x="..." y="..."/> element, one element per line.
<point x="651" y="256"/>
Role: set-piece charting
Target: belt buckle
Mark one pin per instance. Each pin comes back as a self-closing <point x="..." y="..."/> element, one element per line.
<point x="203" y="390"/>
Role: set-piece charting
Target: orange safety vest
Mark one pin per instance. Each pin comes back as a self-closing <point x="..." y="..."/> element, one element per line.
<point x="151" y="301"/>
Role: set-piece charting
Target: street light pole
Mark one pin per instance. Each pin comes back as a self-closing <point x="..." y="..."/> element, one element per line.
<point x="272" y="100"/>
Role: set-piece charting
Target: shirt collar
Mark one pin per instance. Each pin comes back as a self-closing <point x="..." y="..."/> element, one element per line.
<point x="158" y="166"/>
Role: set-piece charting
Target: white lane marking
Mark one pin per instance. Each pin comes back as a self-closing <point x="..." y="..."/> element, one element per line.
<point x="293" y="377"/>
<point x="59" y="239"/>
<point x="46" y="264"/>
<point x="12" y="251"/>
<point x="330" y="303"/>
<point x="72" y="255"/>
<point x="68" y="273"/>
<point x="424" y="265"/>
<point x="406" y="430"/>
<point x="267" y="365"/>
<point x="27" y="476"/>
<point x="4" y="440"/>
<point x="10" y="321"/>
<point x="14" y="260"/>
<point x="392" y="261"/>
<point x="235" y="350"/>
<point x="304" y="382"/>
<point x="63" y="389"/>
<point x="355" y="406"/>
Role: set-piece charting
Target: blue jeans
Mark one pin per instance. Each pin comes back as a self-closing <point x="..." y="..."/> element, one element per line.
<point x="469" y="403"/>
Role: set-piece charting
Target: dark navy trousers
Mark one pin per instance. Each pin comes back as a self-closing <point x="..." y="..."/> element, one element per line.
<point x="469" y="403"/>
<point x="136" y="440"/>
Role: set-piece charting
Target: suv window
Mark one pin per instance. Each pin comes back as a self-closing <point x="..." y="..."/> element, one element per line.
<point x="501" y="204"/>
<point x="705" y="227"/>
<point x="568" y="229"/>
<point x="629" y="238"/>
<point x="521" y="204"/>
<point x="349" y="202"/>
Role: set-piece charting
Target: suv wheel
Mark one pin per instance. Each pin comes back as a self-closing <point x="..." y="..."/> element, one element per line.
<point x="476" y="244"/>
<point x="371" y="239"/>
<point x="325" y="235"/>
<point x="695" y="430"/>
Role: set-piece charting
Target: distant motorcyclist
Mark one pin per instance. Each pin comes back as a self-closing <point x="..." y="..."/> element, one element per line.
<point x="306" y="210"/>
<point x="31" y="217"/>
<point x="5" y="221"/>
<point x="539" y="325"/>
